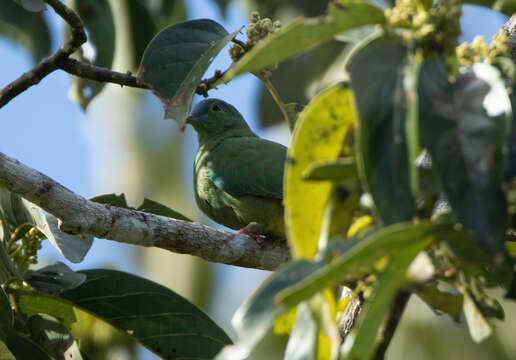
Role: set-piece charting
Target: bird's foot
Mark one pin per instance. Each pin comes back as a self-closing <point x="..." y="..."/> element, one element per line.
<point x="260" y="239"/>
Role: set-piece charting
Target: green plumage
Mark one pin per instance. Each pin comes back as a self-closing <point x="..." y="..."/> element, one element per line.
<point x="238" y="177"/>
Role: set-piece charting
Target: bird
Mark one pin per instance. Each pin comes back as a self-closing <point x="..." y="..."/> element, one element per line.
<point x="238" y="176"/>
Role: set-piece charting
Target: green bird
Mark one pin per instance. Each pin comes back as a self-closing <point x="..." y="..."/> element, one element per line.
<point x="238" y="177"/>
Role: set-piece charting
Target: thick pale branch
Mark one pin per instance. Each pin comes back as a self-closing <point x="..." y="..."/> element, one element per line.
<point x="79" y="215"/>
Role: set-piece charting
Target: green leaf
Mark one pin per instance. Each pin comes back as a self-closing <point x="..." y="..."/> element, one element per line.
<point x="175" y="60"/>
<point x="111" y="199"/>
<point x="28" y="29"/>
<point x="6" y="312"/>
<point x="73" y="247"/>
<point x="98" y="20"/>
<point x="322" y="127"/>
<point x="305" y="34"/>
<point x="154" y="207"/>
<point x="463" y="126"/>
<point x="479" y="327"/>
<point x="5" y="354"/>
<point x="439" y="301"/>
<point x="53" y="336"/>
<point x="54" y="278"/>
<point x="254" y="320"/>
<point x="378" y="304"/>
<point x="377" y="73"/>
<point x="32" y="5"/>
<point x="360" y="257"/>
<point x="158" y="318"/>
<point x="508" y="7"/>
<point x="302" y="343"/>
<point x="341" y="170"/>
<point x="13" y="212"/>
<point x="22" y="347"/>
<point x="31" y="305"/>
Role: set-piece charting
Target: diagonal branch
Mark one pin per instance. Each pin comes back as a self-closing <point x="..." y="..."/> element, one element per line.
<point x="49" y="65"/>
<point x="80" y="216"/>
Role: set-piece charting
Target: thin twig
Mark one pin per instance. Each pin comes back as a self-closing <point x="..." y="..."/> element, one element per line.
<point x="50" y="64"/>
<point x="393" y="319"/>
<point x="275" y="95"/>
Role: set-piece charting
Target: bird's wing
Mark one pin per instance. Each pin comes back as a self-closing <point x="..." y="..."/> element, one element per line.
<point x="249" y="166"/>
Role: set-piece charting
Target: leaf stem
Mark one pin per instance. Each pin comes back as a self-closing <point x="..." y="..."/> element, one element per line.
<point x="275" y="95"/>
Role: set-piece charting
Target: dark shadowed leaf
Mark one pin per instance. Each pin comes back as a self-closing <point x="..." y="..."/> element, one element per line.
<point x="176" y="59"/>
<point x="6" y="313"/>
<point x="54" y="278"/>
<point x="360" y="257"/>
<point x="463" y="126"/>
<point x="28" y="29"/>
<point x="378" y="304"/>
<point x="53" y="336"/>
<point x="154" y="207"/>
<point x="32" y="5"/>
<point x="23" y="347"/>
<point x="31" y="305"/>
<point x="160" y="319"/>
<point x="304" y="34"/>
<point x="377" y="73"/>
<point x="111" y="199"/>
<point x="440" y="301"/>
<point x="98" y="19"/>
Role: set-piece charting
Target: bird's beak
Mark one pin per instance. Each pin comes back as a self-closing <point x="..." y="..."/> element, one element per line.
<point x="192" y="120"/>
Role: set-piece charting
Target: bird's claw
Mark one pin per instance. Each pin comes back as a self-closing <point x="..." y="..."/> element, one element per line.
<point x="260" y="239"/>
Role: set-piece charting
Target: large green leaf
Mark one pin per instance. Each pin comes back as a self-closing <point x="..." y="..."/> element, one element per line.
<point x="98" y="19"/>
<point x="175" y="60"/>
<point x="23" y="347"/>
<point x="508" y="7"/>
<point x="54" y="278"/>
<point x="463" y="126"/>
<point x="160" y="319"/>
<point x="305" y="34"/>
<point x="28" y="29"/>
<point x="32" y="305"/>
<point x="6" y="313"/>
<point x="377" y="73"/>
<point x="385" y="289"/>
<point x="322" y="127"/>
<point x="360" y="257"/>
<point x="255" y="318"/>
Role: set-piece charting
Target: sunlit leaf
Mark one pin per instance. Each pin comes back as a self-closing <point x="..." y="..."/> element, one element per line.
<point x="479" y="327"/>
<point x="463" y="126"/>
<point x="73" y="247"/>
<point x="176" y="59"/>
<point x="28" y="29"/>
<point x="377" y="74"/>
<point x="304" y="34"/>
<point x="31" y="305"/>
<point x="322" y="128"/>
<point x="379" y="302"/>
<point x="360" y="256"/>
<point x="160" y="319"/>
<point x="99" y="22"/>
<point x="440" y="302"/>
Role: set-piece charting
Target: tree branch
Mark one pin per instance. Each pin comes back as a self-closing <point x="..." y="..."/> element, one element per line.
<point x="49" y="65"/>
<point x="80" y="216"/>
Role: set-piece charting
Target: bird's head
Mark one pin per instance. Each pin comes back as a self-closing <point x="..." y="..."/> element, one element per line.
<point x="214" y="117"/>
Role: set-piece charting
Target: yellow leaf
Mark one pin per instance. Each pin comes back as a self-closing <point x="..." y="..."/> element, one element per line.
<point x="319" y="136"/>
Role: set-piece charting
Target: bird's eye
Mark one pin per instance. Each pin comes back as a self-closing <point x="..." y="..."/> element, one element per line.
<point x="216" y="107"/>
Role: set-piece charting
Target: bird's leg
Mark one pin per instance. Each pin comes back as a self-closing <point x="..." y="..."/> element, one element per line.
<point x="258" y="238"/>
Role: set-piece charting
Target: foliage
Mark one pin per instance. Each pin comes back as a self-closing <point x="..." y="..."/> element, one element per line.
<point x="407" y="159"/>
